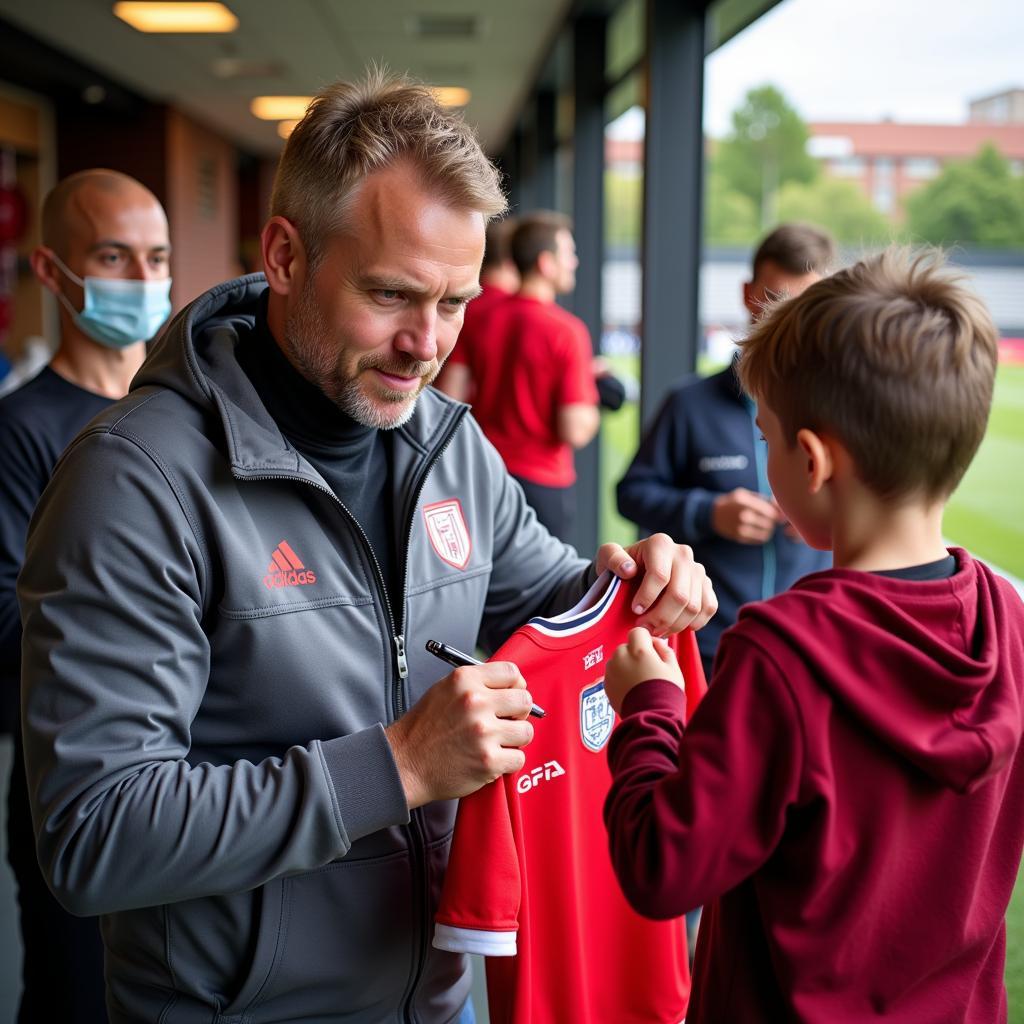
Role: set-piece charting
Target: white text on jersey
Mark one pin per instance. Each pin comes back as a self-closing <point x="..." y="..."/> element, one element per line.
<point x="550" y="770"/>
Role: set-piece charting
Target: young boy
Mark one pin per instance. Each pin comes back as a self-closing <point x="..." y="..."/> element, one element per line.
<point x="848" y="801"/>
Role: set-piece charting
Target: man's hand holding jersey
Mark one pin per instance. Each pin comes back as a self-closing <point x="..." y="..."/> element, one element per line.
<point x="675" y="592"/>
<point x="469" y="727"/>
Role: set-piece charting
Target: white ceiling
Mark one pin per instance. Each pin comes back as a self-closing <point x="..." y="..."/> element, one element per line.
<point x="312" y="42"/>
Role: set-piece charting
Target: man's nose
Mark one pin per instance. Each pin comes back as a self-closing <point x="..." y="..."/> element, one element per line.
<point x="141" y="268"/>
<point x="418" y="337"/>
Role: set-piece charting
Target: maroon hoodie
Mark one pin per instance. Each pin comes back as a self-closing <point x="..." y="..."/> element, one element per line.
<point x="848" y="802"/>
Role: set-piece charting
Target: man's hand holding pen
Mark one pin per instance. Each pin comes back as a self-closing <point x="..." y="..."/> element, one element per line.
<point x="456" y="658"/>
<point x="464" y="732"/>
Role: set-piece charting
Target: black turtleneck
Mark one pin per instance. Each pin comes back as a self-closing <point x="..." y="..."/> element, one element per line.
<point x="354" y="460"/>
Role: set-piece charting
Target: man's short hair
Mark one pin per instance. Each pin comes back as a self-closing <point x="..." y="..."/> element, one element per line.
<point x="498" y="248"/>
<point x="352" y="129"/>
<point x="895" y="357"/>
<point x="536" y="232"/>
<point x="797" y="249"/>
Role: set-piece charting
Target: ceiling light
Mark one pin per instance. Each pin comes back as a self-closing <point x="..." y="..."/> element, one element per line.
<point x="285" y="128"/>
<point x="176" y="17"/>
<point x="451" y="95"/>
<point x="280" y="108"/>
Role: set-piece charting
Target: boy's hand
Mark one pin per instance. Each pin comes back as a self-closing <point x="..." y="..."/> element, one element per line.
<point x="640" y="658"/>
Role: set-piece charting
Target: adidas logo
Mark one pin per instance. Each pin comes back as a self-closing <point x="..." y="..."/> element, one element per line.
<point x="286" y="569"/>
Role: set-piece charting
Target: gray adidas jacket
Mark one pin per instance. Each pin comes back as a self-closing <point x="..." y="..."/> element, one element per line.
<point x="208" y="659"/>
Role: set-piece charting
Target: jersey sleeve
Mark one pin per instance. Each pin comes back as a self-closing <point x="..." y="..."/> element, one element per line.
<point x="482" y="893"/>
<point x="576" y="382"/>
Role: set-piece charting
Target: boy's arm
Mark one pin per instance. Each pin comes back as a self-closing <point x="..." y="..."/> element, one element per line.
<point x="689" y="819"/>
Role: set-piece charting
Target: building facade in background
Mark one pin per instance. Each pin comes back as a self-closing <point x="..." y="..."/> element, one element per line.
<point x="889" y="160"/>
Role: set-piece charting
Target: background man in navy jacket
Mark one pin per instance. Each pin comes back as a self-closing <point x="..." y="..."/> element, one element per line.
<point x="700" y="475"/>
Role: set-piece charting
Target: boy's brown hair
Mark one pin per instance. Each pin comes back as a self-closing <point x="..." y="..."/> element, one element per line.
<point x="535" y="233"/>
<point x="894" y="357"/>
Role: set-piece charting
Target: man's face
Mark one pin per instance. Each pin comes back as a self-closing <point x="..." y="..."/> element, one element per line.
<point x="119" y="233"/>
<point x="566" y="262"/>
<point x="772" y="283"/>
<point x="373" y="324"/>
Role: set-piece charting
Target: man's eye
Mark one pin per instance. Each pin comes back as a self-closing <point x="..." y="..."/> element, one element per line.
<point x="110" y="259"/>
<point x="387" y="294"/>
<point x="454" y="302"/>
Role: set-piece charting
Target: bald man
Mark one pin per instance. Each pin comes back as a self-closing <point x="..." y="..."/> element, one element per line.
<point x="105" y="256"/>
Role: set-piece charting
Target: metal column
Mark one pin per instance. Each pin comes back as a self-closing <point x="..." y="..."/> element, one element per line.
<point x="673" y="175"/>
<point x="544" y="138"/>
<point x="588" y="225"/>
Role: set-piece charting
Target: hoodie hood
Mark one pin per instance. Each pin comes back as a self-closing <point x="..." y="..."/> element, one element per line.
<point x="925" y="666"/>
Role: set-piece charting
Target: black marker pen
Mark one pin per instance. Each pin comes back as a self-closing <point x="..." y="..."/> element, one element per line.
<point x="457" y="659"/>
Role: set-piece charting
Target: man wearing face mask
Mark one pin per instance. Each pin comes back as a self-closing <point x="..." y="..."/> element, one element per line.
<point x="105" y="256"/>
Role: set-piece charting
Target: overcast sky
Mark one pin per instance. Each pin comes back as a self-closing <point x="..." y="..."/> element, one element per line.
<point x="863" y="60"/>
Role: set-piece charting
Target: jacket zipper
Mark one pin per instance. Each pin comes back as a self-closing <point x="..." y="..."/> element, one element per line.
<point x="768" y="549"/>
<point x="416" y="818"/>
<point x="418" y="843"/>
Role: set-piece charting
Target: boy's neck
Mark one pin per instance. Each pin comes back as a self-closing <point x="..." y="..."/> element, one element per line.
<point x="876" y="536"/>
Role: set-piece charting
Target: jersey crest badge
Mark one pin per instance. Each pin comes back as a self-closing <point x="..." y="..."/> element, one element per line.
<point x="446" y="528"/>
<point x="596" y="717"/>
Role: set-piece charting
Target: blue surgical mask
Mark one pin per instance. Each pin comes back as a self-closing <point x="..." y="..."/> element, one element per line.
<point x="118" y="313"/>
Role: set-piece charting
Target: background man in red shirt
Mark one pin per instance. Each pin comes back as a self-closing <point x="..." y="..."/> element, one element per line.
<point x="531" y="372"/>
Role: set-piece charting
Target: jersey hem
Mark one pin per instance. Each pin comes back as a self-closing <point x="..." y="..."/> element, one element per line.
<point x="474" y="940"/>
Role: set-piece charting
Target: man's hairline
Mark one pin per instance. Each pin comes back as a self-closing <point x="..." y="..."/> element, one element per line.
<point x="343" y="208"/>
<point x="110" y="183"/>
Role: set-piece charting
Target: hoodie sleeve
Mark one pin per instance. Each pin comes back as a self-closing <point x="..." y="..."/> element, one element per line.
<point x="650" y="494"/>
<point x="690" y="817"/>
<point x="115" y="666"/>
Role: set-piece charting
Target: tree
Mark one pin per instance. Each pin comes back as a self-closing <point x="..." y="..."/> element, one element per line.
<point x="765" y="150"/>
<point x="623" y="207"/>
<point x="838" y="206"/>
<point x="730" y="218"/>
<point x="976" y="201"/>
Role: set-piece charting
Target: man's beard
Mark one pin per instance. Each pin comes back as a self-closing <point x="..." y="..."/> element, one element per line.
<point x="311" y="348"/>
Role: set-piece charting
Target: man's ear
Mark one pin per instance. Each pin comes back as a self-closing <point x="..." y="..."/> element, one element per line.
<point x="284" y="256"/>
<point x="820" y="458"/>
<point x="748" y="300"/>
<point x="546" y="265"/>
<point x="47" y="274"/>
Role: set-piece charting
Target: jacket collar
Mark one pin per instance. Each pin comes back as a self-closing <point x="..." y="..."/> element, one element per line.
<point x="196" y="357"/>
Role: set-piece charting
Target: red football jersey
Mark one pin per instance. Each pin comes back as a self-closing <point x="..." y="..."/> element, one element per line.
<point x="530" y="882"/>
